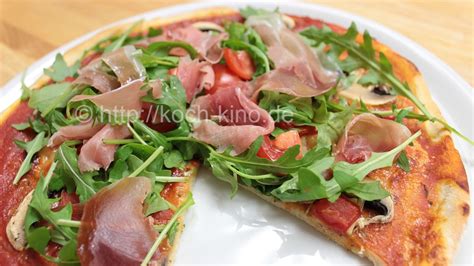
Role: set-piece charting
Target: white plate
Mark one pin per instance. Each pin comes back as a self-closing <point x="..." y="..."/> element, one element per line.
<point x="246" y="230"/>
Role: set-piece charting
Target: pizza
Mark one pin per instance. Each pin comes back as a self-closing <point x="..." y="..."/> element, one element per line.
<point x="100" y="154"/>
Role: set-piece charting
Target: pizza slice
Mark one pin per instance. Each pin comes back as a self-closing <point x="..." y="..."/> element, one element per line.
<point x="321" y="121"/>
<point x="101" y="182"/>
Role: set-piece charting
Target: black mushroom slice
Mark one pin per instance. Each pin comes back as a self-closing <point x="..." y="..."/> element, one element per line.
<point x="114" y="230"/>
<point x="370" y="94"/>
<point x="384" y="212"/>
<point x="377" y="206"/>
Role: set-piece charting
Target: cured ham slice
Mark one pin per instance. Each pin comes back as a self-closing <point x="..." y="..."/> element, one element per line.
<point x="76" y="132"/>
<point x="228" y="118"/>
<point x="126" y="98"/>
<point x="124" y="64"/>
<point x="156" y="88"/>
<point x="207" y="44"/>
<point x="291" y="57"/>
<point x="114" y="230"/>
<point x="95" y="154"/>
<point x="367" y="133"/>
<point x="96" y="78"/>
<point x="194" y="76"/>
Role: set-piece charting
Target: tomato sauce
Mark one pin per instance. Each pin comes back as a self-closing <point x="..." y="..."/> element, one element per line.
<point x="11" y="195"/>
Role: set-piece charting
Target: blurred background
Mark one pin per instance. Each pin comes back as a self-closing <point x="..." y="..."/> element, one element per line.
<point x="29" y="29"/>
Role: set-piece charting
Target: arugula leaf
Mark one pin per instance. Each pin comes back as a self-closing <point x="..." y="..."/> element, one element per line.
<point x="31" y="148"/>
<point x="362" y="56"/>
<point x="149" y="60"/>
<point x="186" y="204"/>
<point x="38" y="239"/>
<point x="153" y="32"/>
<point x="60" y="70"/>
<point x="163" y="48"/>
<point x="154" y="202"/>
<point x="121" y="40"/>
<point x="68" y="254"/>
<point x="404" y="162"/>
<point x="368" y="191"/>
<point x="379" y="69"/>
<point x="220" y="170"/>
<point x="68" y="169"/>
<point x="21" y="126"/>
<point x="173" y="159"/>
<point x="242" y="37"/>
<point x="157" y="138"/>
<point x="375" y="161"/>
<point x="309" y="184"/>
<point x="259" y="56"/>
<point x="51" y="97"/>
<point x="305" y="186"/>
<point x="172" y="104"/>
<point x="331" y="130"/>
<point x="287" y="163"/>
<point x="40" y="207"/>
<point x="284" y="107"/>
<point x="25" y="90"/>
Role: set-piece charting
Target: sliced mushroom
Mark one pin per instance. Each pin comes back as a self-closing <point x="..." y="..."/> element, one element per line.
<point x="372" y="95"/>
<point x="384" y="209"/>
<point x="205" y="26"/>
<point x="16" y="226"/>
<point x="289" y="22"/>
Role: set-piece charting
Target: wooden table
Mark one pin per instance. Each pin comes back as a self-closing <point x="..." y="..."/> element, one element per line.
<point x="29" y="29"/>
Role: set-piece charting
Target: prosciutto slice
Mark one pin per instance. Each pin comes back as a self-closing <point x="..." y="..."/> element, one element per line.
<point x="76" y="132"/>
<point x="124" y="64"/>
<point x="126" y="98"/>
<point x="95" y="154"/>
<point x="292" y="57"/>
<point x="113" y="228"/>
<point x="93" y="76"/>
<point x="367" y="133"/>
<point x="228" y="118"/>
<point x="205" y="43"/>
<point x="194" y="76"/>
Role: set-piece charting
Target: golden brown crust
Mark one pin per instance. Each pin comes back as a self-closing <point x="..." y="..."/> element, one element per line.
<point x="445" y="207"/>
<point x="191" y="173"/>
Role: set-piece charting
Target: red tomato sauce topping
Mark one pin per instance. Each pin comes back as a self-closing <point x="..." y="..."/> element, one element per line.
<point x="338" y="215"/>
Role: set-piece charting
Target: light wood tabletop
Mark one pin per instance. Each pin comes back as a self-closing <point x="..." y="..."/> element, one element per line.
<point x="30" y="29"/>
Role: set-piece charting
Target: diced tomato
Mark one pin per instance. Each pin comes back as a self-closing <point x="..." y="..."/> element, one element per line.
<point x="177" y="172"/>
<point x="69" y="79"/>
<point x="162" y="217"/>
<point x="287" y="140"/>
<point x="274" y="149"/>
<point x="69" y="198"/>
<point x="66" y="198"/>
<point x="89" y="59"/>
<point x="240" y="63"/>
<point x="302" y="130"/>
<point x="268" y="150"/>
<point x="307" y="131"/>
<point x="173" y="71"/>
<point x="285" y="125"/>
<point x="338" y="215"/>
<point x="224" y="78"/>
